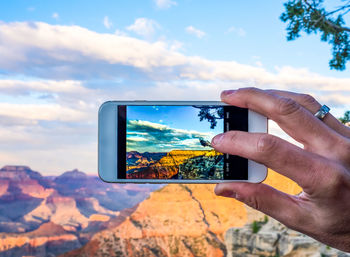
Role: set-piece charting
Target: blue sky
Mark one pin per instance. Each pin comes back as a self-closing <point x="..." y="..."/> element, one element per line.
<point x="234" y="30"/>
<point x="180" y="117"/>
<point x="61" y="59"/>
<point x="165" y="128"/>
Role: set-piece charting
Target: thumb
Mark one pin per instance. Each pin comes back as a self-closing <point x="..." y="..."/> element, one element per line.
<point x="281" y="206"/>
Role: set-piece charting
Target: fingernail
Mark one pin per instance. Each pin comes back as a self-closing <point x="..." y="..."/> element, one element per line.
<point x="217" y="139"/>
<point x="227" y="93"/>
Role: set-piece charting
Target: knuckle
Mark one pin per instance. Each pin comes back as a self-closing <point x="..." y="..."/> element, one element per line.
<point x="253" y="202"/>
<point x="251" y="196"/>
<point x="313" y="181"/>
<point x="266" y="143"/>
<point x="286" y="106"/>
<point x="332" y="179"/>
<point x="232" y="135"/>
<point x="317" y="176"/>
<point x="307" y="100"/>
<point x="335" y="181"/>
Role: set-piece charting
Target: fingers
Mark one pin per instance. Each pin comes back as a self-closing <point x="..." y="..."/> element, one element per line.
<point x="310" y="103"/>
<point x="264" y="198"/>
<point x="289" y="160"/>
<point x="290" y="116"/>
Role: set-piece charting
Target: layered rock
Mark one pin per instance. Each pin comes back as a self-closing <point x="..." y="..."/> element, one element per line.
<point x="202" y="167"/>
<point x="271" y="238"/>
<point x="168" y="166"/>
<point x="136" y="160"/>
<point x="49" y="239"/>
<point x="177" y="220"/>
<point x="265" y="237"/>
<point x="71" y="208"/>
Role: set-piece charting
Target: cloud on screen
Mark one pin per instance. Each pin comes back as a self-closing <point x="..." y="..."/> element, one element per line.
<point x="153" y="137"/>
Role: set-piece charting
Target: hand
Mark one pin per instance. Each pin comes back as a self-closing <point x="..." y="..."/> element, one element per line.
<point x="321" y="169"/>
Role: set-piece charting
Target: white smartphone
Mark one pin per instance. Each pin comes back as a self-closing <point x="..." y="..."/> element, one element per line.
<point x="169" y="142"/>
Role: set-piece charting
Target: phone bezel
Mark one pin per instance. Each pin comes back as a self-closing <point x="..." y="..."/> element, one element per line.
<point x="108" y="144"/>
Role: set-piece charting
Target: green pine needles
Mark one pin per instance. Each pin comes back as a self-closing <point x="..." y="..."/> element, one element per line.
<point x="311" y="17"/>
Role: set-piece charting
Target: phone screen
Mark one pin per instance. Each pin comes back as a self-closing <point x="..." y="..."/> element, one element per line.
<point x="173" y="142"/>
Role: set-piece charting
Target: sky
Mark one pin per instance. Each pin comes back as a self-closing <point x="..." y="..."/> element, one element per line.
<point x="165" y="128"/>
<point x="61" y="59"/>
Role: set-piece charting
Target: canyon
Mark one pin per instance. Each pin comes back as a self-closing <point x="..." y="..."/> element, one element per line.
<point x="42" y="215"/>
<point x="179" y="220"/>
<point x="181" y="164"/>
<point x="78" y="215"/>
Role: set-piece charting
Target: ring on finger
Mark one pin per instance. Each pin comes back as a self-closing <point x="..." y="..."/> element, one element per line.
<point x="322" y="112"/>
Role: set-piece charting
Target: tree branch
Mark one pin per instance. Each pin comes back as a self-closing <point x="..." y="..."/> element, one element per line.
<point x="327" y="21"/>
<point x="339" y="9"/>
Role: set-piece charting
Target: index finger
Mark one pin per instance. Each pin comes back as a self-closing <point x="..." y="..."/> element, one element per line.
<point x="290" y="116"/>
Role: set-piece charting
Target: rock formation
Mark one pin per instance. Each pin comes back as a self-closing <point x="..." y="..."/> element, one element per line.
<point x="41" y="216"/>
<point x="180" y="220"/>
<point x="48" y="240"/>
<point x="50" y="216"/>
<point x="177" y="220"/>
<point x="168" y="166"/>
<point x="202" y="167"/>
<point x="263" y="236"/>
<point x="266" y="238"/>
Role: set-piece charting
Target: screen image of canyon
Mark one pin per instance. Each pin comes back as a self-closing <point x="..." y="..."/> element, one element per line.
<point x="173" y="142"/>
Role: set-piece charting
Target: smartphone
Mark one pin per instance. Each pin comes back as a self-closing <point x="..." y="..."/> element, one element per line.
<point x="169" y="142"/>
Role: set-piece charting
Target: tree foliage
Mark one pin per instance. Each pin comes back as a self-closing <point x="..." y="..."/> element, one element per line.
<point x="211" y="114"/>
<point x="311" y="17"/>
<point x="346" y="118"/>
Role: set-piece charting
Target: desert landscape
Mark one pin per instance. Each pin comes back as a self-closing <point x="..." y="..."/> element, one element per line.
<point x="178" y="164"/>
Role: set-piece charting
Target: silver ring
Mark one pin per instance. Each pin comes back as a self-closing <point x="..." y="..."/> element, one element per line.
<point x="322" y="112"/>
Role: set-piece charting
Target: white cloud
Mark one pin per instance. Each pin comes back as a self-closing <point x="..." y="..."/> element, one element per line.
<point x="32" y="47"/>
<point x="29" y="48"/>
<point x="335" y="99"/>
<point x="176" y="45"/>
<point x="137" y="139"/>
<point x="107" y="23"/>
<point x="120" y="33"/>
<point x="59" y="133"/>
<point x="55" y="15"/>
<point x="257" y="60"/>
<point x="144" y="27"/>
<point x="49" y="151"/>
<point x="71" y="95"/>
<point x="238" y="31"/>
<point x="196" y="32"/>
<point x="164" y="4"/>
<point x="23" y="87"/>
<point x="167" y="137"/>
<point x="48" y="112"/>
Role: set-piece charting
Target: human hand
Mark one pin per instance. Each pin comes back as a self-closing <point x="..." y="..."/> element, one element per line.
<point x="321" y="169"/>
